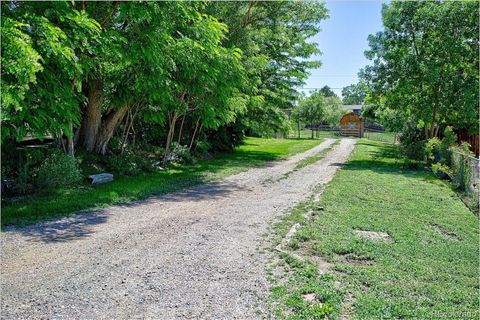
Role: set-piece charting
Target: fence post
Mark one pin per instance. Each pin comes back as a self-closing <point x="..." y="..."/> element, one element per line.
<point x="462" y="173"/>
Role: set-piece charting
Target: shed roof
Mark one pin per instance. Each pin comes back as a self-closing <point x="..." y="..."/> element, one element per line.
<point x="352" y="106"/>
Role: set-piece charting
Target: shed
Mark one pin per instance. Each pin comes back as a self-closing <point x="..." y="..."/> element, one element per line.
<point x="352" y="124"/>
<point x="355" y="108"/>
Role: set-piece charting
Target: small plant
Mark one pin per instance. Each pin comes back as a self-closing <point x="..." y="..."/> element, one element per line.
<point x="433" y="150"/>
<point x="202" y="148"/>
<point x="128" y="164"/>
<point x="58" y="170"/>
<point x="180" y="154"/>
<point x="441" y="170"/>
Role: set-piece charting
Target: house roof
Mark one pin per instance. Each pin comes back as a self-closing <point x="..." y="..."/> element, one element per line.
<point x="352" y="106"/>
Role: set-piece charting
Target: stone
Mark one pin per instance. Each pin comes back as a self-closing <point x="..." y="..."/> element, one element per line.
<point x="100" y="178"/>
<point x="310" y="297"/>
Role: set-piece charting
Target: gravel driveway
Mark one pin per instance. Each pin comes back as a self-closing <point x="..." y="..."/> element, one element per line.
<point x="191" y="254"/>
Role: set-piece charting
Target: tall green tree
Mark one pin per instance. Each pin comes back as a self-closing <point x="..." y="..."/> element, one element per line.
<point x="354" y="93"/>
<point x="41" y="68"/>
<point x="425" y="64"/>
<point x="327" y="91"/>
<point x="275" y="38"/>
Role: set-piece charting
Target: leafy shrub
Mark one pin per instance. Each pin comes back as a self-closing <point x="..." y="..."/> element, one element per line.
<point x="128" y="164"/>
<point x="181" y="154"/>
<point x="225" y="138"/>
<point x="412" y="142"/>
<point x="58" y="170"/>
<point x="202" y="148"/>
<point x="433" y="150"/>
<point x="449" y="141"/>
<point x="449" y="138"/>
<point x="441" y="170"/>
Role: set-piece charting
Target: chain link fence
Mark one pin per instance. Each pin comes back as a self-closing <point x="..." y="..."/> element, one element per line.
<point x="465" y="175"/>
<point x="381" y="135"/>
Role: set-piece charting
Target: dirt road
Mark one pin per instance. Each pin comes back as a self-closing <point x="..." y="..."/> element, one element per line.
<point x="191" y="254"/>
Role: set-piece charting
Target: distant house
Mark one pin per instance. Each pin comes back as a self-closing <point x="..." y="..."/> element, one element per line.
<point x="355" y="108"/>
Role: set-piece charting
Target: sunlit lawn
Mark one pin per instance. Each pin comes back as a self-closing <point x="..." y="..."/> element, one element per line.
<point x="430" y="271"/>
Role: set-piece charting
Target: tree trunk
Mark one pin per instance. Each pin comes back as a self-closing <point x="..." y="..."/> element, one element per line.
<point x="92" y="118"/>
<point x="171" y="132"/>
<point x="181" y="129"/>
<point x="193" y="136"/>
<point x="432" y="126"/>
<point x="312" y="133"/>
<point x="112" y="119"/>
<point x="70" y="148"/>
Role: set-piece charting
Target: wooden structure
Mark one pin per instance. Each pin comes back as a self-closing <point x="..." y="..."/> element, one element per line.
<point x="352" y="124"/>
<point x="474" y="140"/>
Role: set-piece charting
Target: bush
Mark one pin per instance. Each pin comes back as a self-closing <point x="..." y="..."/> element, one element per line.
<point x="58" y="170"/>
<point x="225" y="138"/>
<point x="128" y="164"/>
<point x="433" y="150"/>
<point x="441" y="170"/>
<point x="202" y="148"/>
<point x="412" y="143"/>
<point x="180" y="154"/>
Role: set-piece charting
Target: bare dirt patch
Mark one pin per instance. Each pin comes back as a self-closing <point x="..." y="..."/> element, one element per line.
<point x="347" y="307"/>
<point x="374" y="235"/>
<point x="446" y="235"/>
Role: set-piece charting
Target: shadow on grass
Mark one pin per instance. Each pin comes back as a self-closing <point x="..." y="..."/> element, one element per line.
<point x="126" y="189"/>
<point x="386" y="159"/>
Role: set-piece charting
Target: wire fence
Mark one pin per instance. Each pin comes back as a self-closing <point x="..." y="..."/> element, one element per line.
<point x="381" y="135"/>
<point x="465" y="175"/>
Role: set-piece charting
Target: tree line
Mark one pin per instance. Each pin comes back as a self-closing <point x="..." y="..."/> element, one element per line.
<point x="85" y="71"/>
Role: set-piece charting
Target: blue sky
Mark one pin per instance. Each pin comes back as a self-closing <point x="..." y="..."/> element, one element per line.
<point x="343" y="40"/>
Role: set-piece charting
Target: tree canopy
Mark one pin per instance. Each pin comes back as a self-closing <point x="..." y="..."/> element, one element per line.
<point x="425" y="65"/>
<point x="90" y="70"/>
<point x="354" y="93"/>
<point x="327" y="92"/>
<point x="317" y="109"/>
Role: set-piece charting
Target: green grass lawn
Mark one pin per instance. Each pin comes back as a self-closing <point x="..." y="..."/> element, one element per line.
<point x="430" y="271"/>
<point x="380" y="136"/>
<point x="254" y="152"/>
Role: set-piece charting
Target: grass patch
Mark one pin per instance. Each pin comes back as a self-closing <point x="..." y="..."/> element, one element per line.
<point x="429" y="271"/>
<point x="254" y="152"/>
<point x="304" y="279"/>
<point x="301" y="277"/>
<point x="389" y="137"/>
<point x="310" y="160"/>
<point x="319" y="156"/>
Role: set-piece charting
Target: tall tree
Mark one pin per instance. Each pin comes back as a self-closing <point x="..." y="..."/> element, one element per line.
<point x="354" y="93"/>
<point x="41" y="69"/>
<point x="425" y="64"/>
<point x="275" y="40"/>
<point x="327" y="92"/>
